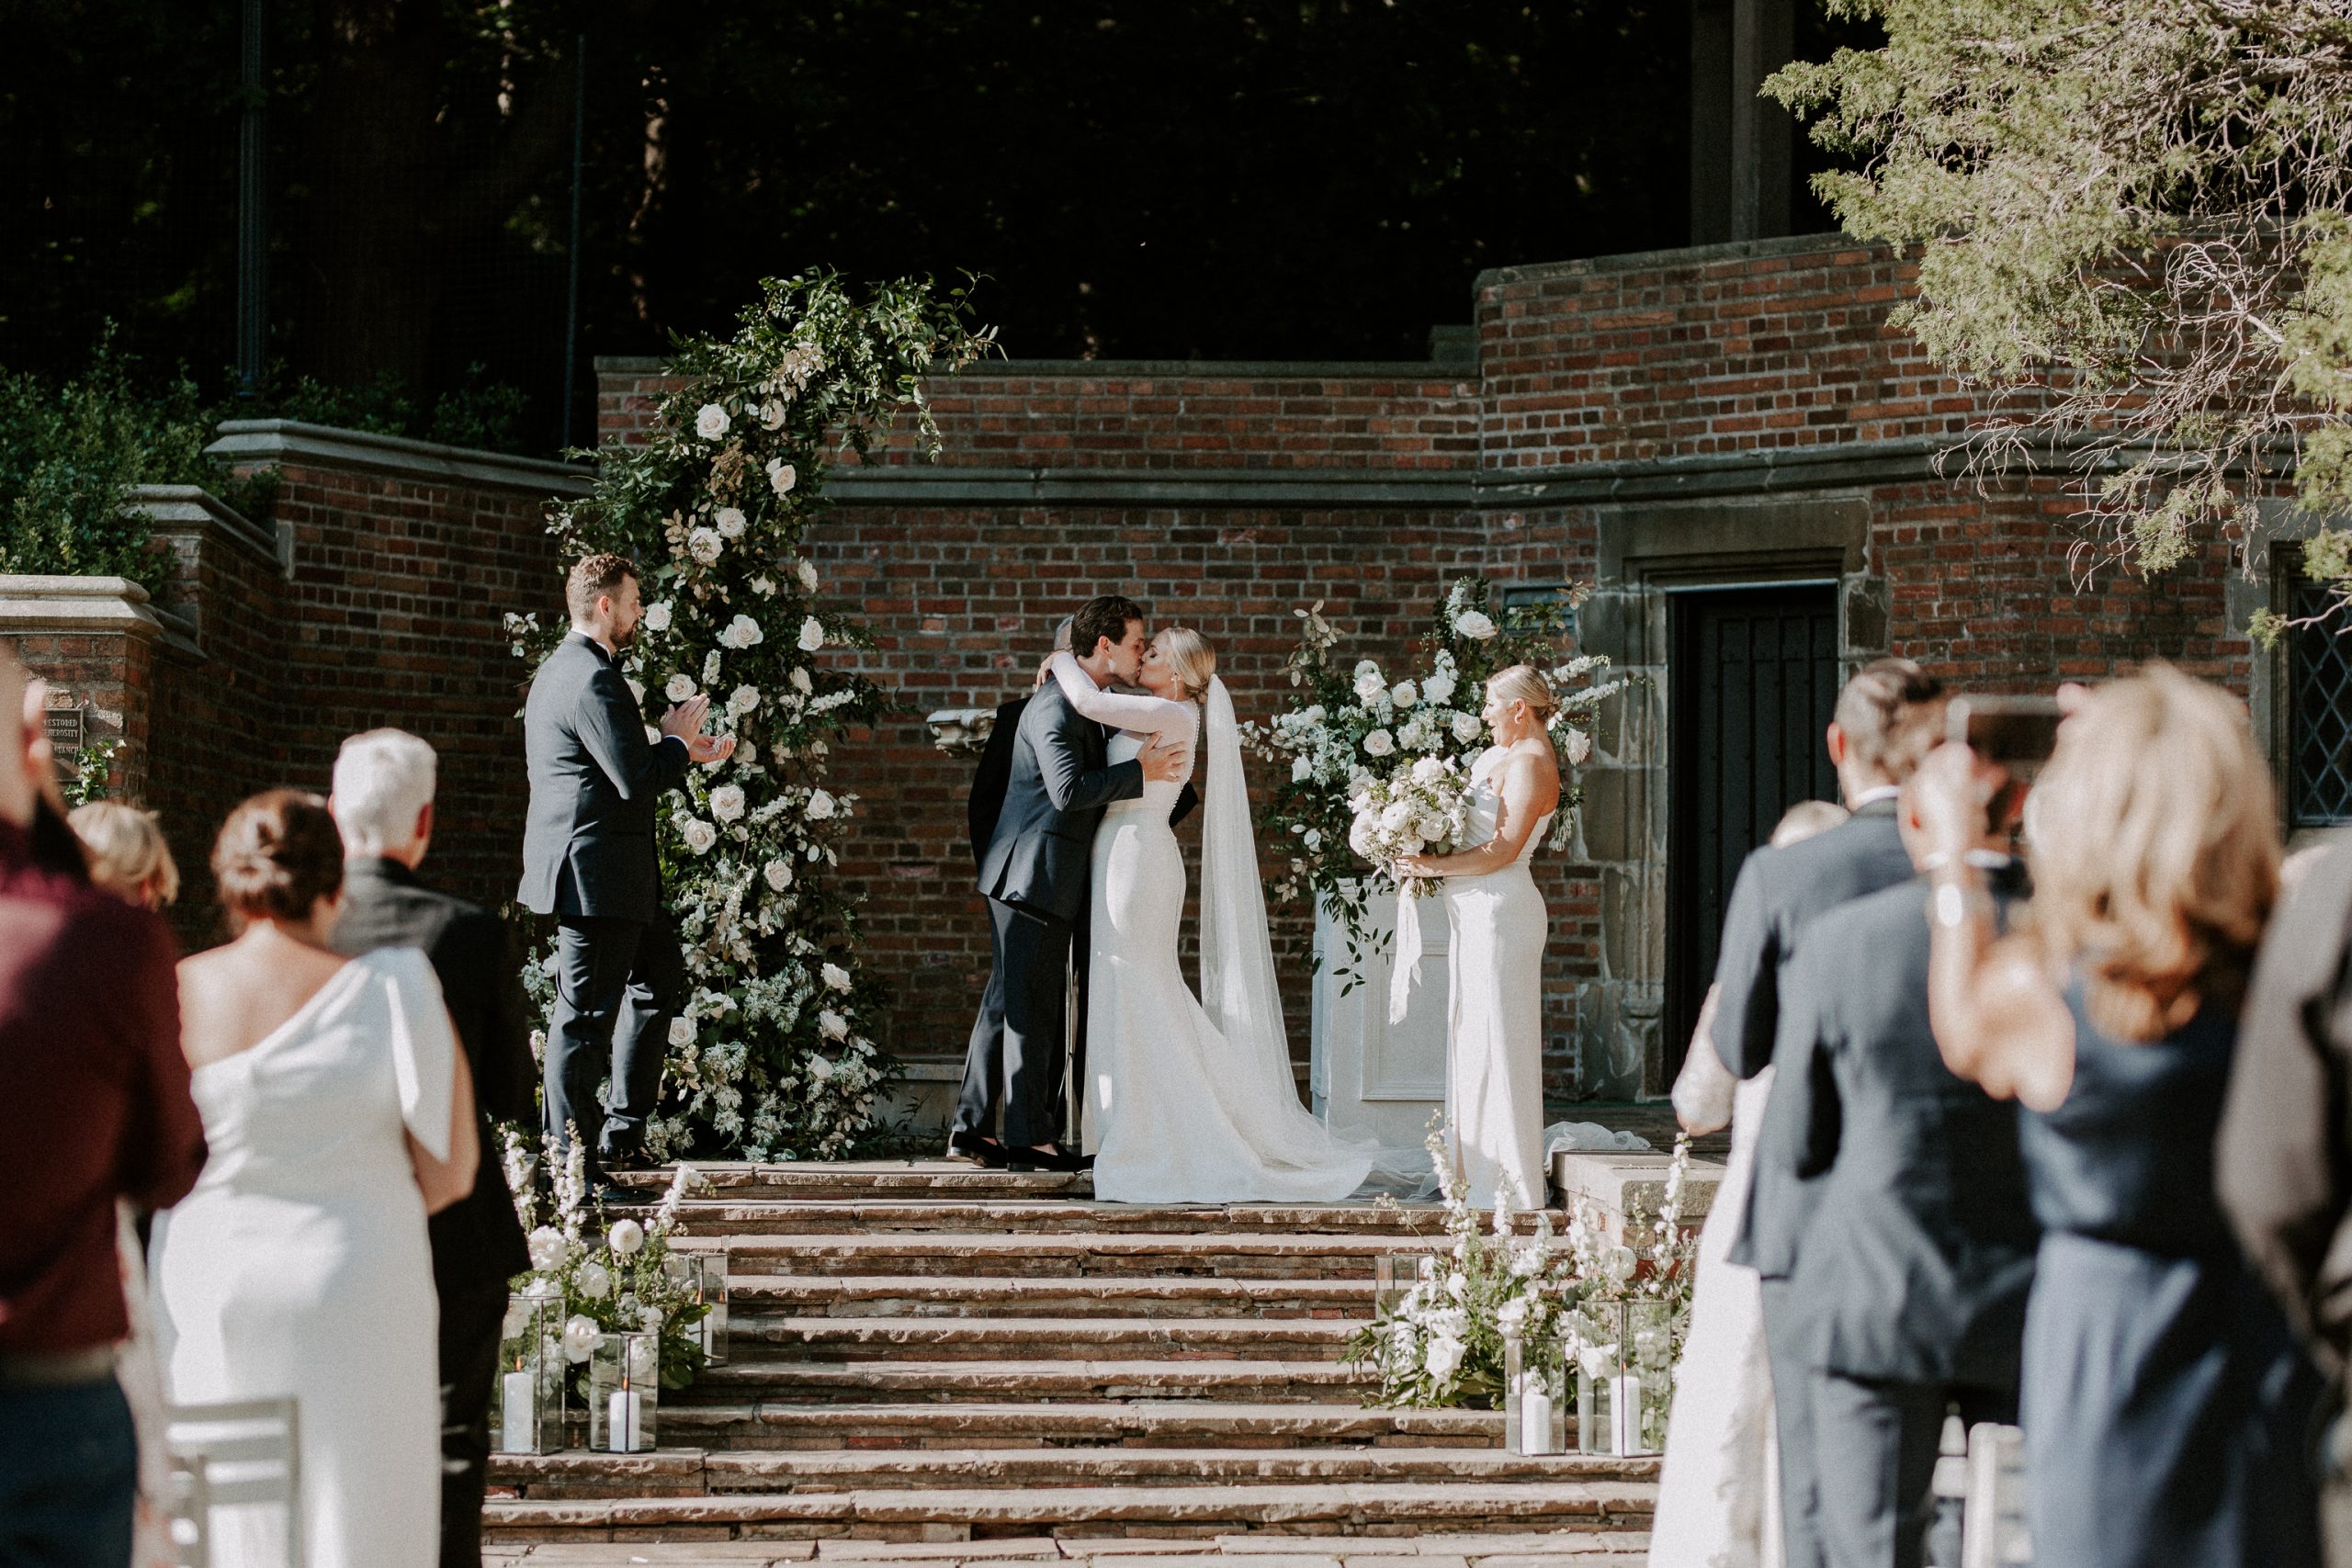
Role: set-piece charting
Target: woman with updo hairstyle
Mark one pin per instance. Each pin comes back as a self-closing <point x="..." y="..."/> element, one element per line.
<point x="337" y="1112"/>
<point x="1494" y="1072"/>
<point x="2165" y="1404"/>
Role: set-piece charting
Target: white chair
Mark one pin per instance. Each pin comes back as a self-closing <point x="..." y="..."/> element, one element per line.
<point x="231" y="1454"/>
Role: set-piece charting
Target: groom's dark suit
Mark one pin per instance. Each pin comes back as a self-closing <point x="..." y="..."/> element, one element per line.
<point x="1035" y="871"/>
<point x="589" y="859"/>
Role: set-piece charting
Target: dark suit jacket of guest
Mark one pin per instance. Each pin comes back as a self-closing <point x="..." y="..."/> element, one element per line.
<point x="1918" y="1260"/>
<point x="1779" y="893"/>
<point x="995" y="771"/>
<point x="2285" y="1151"/>
<point x="477" y="1242"/>
<point x="596" y="782"/>
<point x="1039" y="852"/>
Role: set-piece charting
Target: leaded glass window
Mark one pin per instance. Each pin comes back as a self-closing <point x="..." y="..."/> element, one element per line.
<point x="2319" y="758"/>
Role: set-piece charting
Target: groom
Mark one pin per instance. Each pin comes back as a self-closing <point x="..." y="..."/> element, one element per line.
<point x="1035" y="874"/>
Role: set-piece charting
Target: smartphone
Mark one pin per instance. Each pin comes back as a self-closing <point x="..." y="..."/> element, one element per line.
<point x="2009" y="730"/>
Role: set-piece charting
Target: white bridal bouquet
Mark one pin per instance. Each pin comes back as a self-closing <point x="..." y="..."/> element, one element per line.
<point x="1423" y="810"/>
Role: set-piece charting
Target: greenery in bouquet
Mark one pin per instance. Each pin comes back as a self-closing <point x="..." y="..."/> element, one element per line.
<point x="611" y="1278"/>
<point x="773" y="1055"/>
<point x="1441" y="1343"/>
<point x="1350" y="733"/>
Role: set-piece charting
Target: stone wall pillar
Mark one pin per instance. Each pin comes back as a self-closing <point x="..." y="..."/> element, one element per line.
<point x="95" y="640"/>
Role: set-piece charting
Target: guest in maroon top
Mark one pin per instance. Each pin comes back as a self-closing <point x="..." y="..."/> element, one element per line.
<point x="97" y="1097"/>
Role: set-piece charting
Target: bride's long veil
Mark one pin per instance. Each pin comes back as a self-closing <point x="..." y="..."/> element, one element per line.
<point x="1238" y="988"/>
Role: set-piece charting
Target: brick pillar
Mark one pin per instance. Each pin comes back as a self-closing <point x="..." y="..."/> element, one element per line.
<point x="94" y="640"/>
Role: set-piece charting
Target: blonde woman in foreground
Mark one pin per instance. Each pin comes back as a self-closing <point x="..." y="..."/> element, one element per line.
<point x="2166" y="1407"/>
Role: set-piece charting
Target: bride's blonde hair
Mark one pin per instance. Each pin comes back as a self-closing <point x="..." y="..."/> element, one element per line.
<point x="1194" y="663"/>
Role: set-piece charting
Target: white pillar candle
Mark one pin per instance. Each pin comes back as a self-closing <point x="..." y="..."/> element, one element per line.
<point x="1535" y="1420"/>
<point x="624" y="1422"/>
<point x="1624" y="1414"/>
<point x="516" y="1428"/>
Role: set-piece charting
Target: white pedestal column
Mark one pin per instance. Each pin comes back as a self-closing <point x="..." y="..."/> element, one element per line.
<point x="1370" y="1077"/>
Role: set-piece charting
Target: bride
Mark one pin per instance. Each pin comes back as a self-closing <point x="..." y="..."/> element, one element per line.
<point x="1189" y="1100"/>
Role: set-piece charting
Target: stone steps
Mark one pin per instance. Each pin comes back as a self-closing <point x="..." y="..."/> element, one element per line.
<point x="1022" y="1296"/>
<point x="967" y="1513"/>
<point x="861" y="1178"/>
<point x="762" y="1338"/>
<point x="685" y="1471"/>
<point x="1222" y="1378"/>
<point x="1051" y="1255"/>
<point x="726" y="1216"/>
<point x="1066" y="1424"/>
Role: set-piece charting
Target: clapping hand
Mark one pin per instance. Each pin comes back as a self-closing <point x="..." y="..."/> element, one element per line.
<point x="684" y="721"/>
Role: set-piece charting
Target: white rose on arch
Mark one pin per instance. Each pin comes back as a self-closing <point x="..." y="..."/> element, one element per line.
<point x="833" y="1025"/>
<point x="710" y="421"/>
<point x="1379" y="743"/>
<point x="778" y="873"/>
<point x="800" y="681"/>
<point x="732" y="521"/>
<point x="821" y="805"/>
<point x="700" y="835"/>
<point x="783" y="476"/>
<point x="807" y="572"/>
<point x="1465" y="728"/>
<point x="1437" y="688"/>
<point x="657" y="615"/>
<point x="742" y="632"/>
<point x="812" y="635"/>
<point x="742" y="700"/>
<point x="706" y="545"/>
<point x="680" y="687"/>
<point x="727" y="803"/>
<point x="835" y="978"/>
<point x="682" y="1030"/>
<point x="1404" y="694"/>
<point x="1475" y="624"/>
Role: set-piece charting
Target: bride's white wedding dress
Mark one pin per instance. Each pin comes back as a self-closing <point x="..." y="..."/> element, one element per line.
<point x="1187" y="1102"/>
<point x="300" y="1265"/>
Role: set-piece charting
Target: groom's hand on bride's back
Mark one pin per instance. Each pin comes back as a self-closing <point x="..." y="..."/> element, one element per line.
<point x="1162" y="760"/>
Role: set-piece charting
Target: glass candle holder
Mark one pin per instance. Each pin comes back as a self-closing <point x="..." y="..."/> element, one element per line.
<point x="701" y="1278"/>
<point x="624" y="1391"/>
<point x="1535" y="1405"/>
<point x="527" y="1417"/>
<point x="1623" y="1356"/>
<point x="1394" y="1276"/>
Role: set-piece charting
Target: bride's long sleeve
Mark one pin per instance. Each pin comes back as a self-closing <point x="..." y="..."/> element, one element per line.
<point x="1118" y="709"/>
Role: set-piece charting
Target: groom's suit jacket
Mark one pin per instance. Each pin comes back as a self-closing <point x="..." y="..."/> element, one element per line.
<point x="1038" y="854"/>
<point x="985" y="803"/>
<point x="1778" y="893"/>
<point x="596" y="780"/>
<point x="1918" y="1263"/>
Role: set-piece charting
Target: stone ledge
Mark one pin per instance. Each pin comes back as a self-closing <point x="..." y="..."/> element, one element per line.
<point x="264" y="442"/>
<point x="78" y="606"/>
<point x="1454" y="369"/>
<point x="192" y="509"/>
<point x="1617" y="1184"/>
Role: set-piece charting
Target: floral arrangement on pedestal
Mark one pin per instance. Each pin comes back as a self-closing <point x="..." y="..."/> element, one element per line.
<point x="1441" y="1343"/>
<point x="772" y="1056"/>
<point x="610" y="1278"/>
<point x="1362" y="749"/>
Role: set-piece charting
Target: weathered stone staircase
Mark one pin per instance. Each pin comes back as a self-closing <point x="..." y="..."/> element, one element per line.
<point x="935" y="1353"/>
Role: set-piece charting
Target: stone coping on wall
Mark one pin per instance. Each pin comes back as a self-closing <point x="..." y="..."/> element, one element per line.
<point x="188" y="509"/>
<point x="263" y="442"/>
<point x="78" y="606"/>
<point x="1456" y="367"/>
<point x="1678" y="258"/>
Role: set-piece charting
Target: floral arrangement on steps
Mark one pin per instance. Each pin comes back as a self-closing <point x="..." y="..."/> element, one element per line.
<point x="772" y="1056"/>
<point x="1355" y="744"/>
<point x="1441" y="1341"/>
<point x="611" y="1278"/>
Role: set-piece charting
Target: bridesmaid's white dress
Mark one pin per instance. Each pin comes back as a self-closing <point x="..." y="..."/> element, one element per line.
<point x="300" y="1266"/>
<point x="1718" y="1497"/>
<point x="1494" y="1068"/>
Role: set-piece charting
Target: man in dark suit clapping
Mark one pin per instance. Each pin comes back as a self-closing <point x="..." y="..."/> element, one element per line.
<point x="383" y="802"/>
<point x="589" y="859"/>
<point x="1916" y="1265"/>
<point x="1780" y="891"/>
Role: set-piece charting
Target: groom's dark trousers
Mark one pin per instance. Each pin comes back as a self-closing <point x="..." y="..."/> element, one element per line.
<point x="1016" y="1055"/>
<point x="1779" y="893"/>
<point x="589" y="859"/>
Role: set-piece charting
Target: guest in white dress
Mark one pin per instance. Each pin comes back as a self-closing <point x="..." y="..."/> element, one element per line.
<point x="1718" y="1495"/>
<point x="1493" y="1069"/>
<point x="338" y="1112"/>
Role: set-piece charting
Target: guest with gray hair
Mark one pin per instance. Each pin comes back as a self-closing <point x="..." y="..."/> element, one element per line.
<point x="383" y="804"/>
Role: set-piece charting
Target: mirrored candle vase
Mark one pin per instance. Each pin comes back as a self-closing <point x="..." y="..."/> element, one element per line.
<point x="527" y="1411"/>
<point x="701" y="1279"/>
<point x="624" y="1392"/>
<point x="1535" y="1405"/>
<point x="1622" y="1356"/>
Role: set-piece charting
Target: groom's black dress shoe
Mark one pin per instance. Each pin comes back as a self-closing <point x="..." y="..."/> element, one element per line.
<point x="1055" y="1159"/>
<point x="968" y="1145"/>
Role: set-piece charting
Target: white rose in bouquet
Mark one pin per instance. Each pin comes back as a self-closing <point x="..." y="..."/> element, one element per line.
<point x="764" y="587"/>
<point x="1466" y="727"/>
<point x="800" y="681"/>
<point x="548" y="1248"/>
<point x="1475" y="625"/>
<point x="711" y="422"/>
<point x="772" y="414"/>
<point x="833" y="1025"/>
<point x="1424" y="808"/>
<point x="1445" y="1355"/>
<point x="657" y="617"/>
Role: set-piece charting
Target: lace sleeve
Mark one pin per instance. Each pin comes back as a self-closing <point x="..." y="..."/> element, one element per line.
<point x="425" y="1049"/>
<point x="1141" y="714"/>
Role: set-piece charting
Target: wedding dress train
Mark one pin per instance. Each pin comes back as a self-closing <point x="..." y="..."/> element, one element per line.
<point x="1190" y="1100"/>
